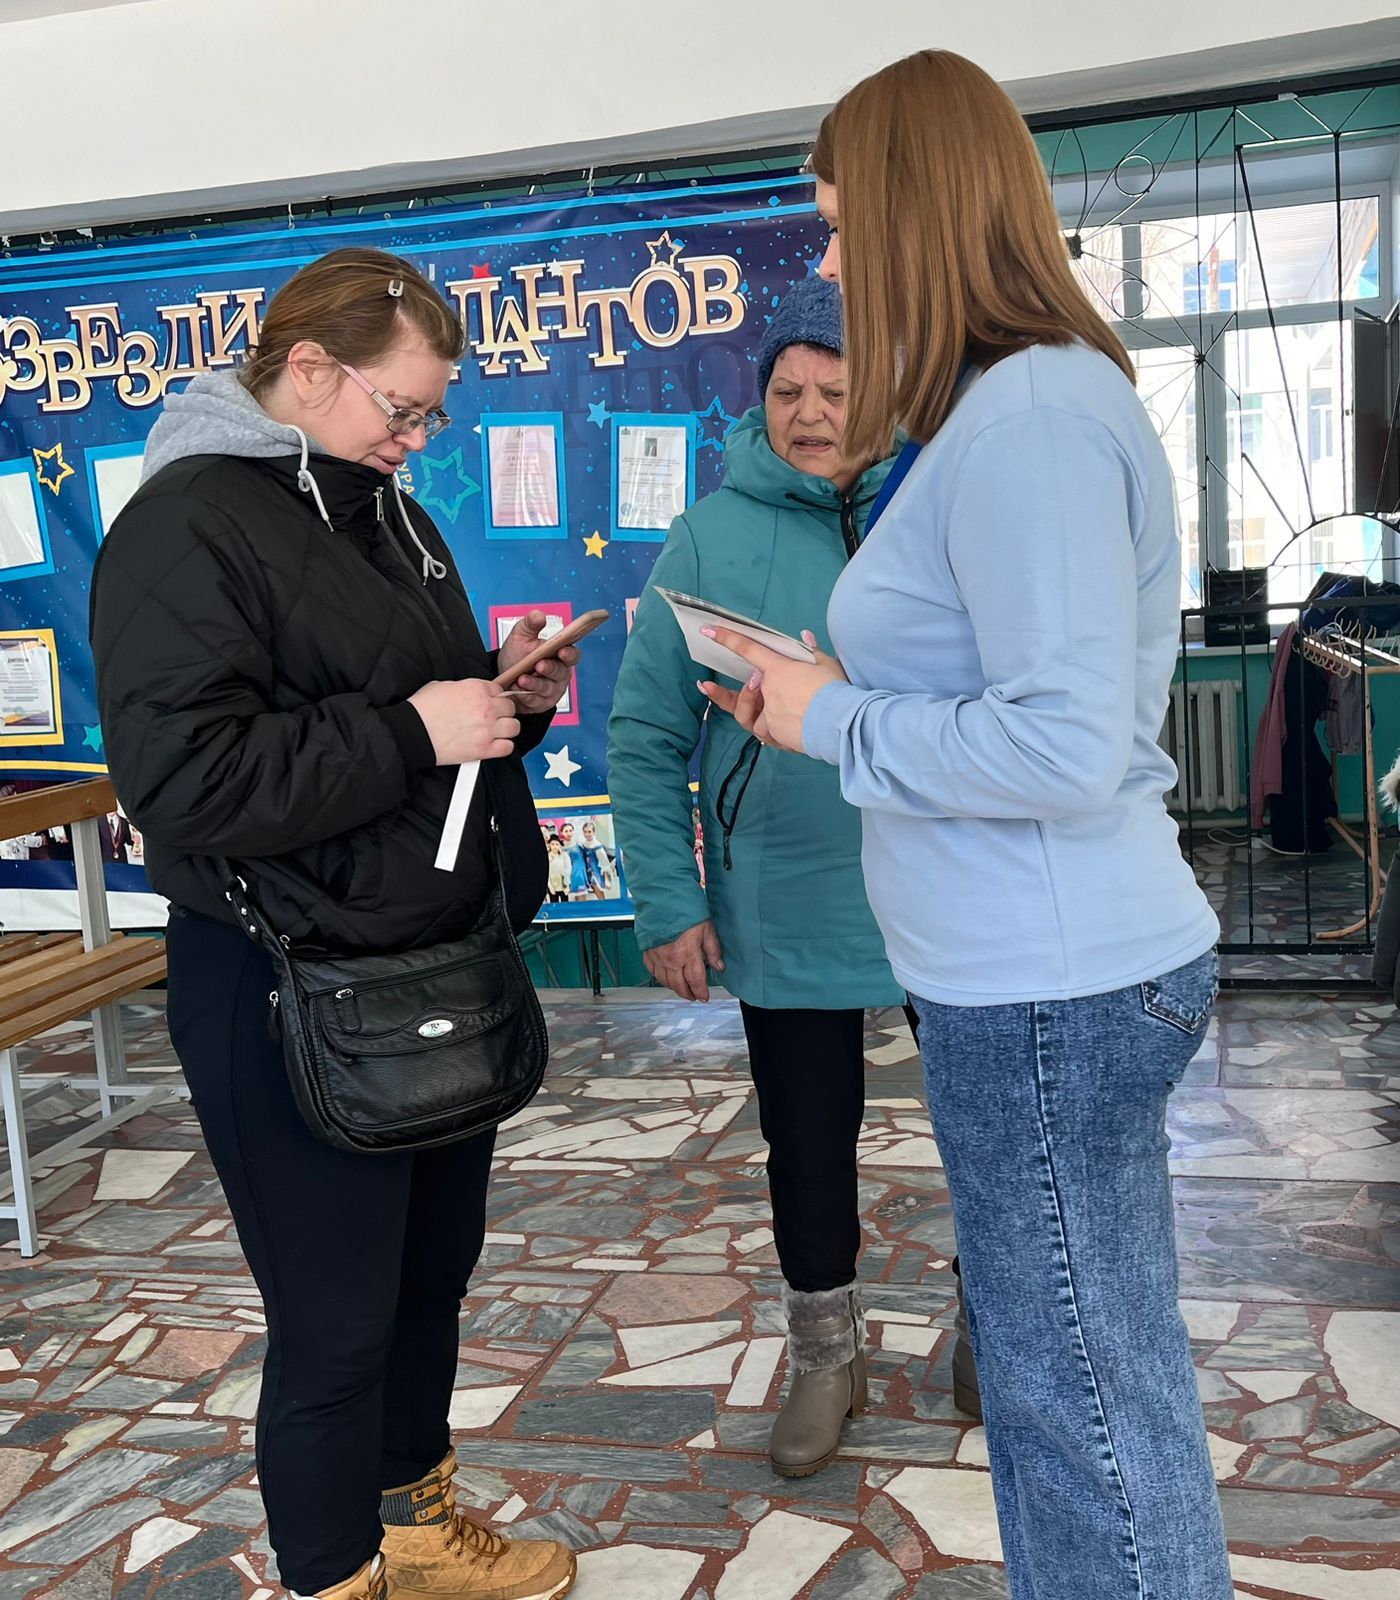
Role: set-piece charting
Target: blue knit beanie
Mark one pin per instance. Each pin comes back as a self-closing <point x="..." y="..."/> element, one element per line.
<point x="809" y="314"/>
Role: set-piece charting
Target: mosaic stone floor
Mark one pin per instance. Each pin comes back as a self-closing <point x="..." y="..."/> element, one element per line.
<point x="1269" y="900"/>
<point x="622" y="1343"/>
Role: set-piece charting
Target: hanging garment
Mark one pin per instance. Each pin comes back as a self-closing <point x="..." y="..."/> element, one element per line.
<point x="1328" y="605"/>
<point x="1298" y="814"/>
<point x="1346" y="714"/>
<point x="1266" y="776"/>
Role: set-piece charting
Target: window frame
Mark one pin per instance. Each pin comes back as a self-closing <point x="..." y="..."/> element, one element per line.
<point x="1206" y="331"/>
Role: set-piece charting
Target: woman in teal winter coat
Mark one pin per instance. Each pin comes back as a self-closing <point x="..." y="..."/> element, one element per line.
<point x="783" y="913"/>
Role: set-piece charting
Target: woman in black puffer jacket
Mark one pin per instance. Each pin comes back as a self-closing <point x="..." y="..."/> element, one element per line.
<point x="289" y="673"/>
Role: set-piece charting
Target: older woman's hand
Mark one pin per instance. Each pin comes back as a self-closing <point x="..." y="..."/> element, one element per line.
<point x="772" y="704"/>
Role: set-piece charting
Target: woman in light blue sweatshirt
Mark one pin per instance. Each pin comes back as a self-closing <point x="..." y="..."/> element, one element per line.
<point x="1005" y="640"/>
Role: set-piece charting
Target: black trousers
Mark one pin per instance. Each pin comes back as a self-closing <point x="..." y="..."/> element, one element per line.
<point x="809" y="1071"/>
<point x="362" y="1262"/>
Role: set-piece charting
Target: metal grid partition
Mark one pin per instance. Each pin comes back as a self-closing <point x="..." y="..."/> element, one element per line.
<point x="1277" y="796"/>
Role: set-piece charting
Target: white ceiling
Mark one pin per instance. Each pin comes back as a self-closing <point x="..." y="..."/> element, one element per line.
<point x="158" y="118"/>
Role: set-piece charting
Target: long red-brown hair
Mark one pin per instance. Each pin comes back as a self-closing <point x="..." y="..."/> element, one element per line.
<point x="950" y="245"/>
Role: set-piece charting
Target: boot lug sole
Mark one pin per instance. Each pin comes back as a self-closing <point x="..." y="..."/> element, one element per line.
<point x="806" y="1469"/>
<point x="554" y="1592"/>
<point x="809" y="1469"/>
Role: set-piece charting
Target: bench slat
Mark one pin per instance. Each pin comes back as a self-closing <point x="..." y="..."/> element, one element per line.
<point x="27" y="1025"/>
<point x="77" y="973"/>
<point x="13" y="946"/>
<point x="25" y="971"/>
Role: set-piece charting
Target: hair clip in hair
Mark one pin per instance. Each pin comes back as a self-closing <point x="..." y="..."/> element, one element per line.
<point x="396" y="288"/>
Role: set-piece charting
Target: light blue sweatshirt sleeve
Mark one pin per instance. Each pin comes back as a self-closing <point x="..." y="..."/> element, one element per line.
<point x="1041" y="554"/>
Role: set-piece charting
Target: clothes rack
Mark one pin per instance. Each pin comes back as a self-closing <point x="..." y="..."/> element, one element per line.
<point x="1349" y="655"/>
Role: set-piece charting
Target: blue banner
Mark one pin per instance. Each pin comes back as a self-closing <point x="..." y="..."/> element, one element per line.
<point x="611" y="344"/>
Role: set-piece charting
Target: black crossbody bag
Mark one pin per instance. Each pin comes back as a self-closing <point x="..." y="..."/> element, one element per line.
<point x="407" y="1051"/>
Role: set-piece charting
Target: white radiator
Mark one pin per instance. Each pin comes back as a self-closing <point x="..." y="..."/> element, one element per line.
<point x="1202" y="736"/>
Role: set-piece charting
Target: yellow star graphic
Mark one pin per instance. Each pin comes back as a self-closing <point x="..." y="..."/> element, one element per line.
<point x="60" y="469"/>
<point x="595" y="544"/>
<point x="666" y="246"/>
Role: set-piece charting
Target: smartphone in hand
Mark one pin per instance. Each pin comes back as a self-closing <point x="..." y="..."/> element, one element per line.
<point x="578" y="629"/>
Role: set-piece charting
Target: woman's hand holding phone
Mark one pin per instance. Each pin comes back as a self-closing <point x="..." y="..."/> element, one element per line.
<point x="536" y="674"/>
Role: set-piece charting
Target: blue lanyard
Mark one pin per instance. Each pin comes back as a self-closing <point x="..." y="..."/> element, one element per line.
<point x="900" y="470"/>
<point x="896" y="475"/>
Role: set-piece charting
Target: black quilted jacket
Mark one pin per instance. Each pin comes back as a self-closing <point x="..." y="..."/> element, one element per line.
<point x="253" y="671"/>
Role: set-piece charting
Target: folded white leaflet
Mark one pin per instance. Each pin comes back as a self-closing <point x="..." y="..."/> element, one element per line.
<point x="693" y="614"/>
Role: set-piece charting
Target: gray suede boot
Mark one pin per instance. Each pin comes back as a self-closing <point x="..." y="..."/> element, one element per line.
<point x="826" y="1363"/>
<point x="966" y="1394"/>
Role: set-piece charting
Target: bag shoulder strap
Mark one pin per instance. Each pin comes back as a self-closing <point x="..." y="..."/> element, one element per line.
<point x="250" y="916"/>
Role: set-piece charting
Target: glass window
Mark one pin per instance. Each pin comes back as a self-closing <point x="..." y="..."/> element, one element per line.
<point x="1324" y="546"/>
<point x="1248" y="544"/>
<point x="1320" y="424"/>
<point x="1281" y="256"/>
<point x="1168" y="383"/>
<point x="1289" y="387"/>
<point x="1293" y="250"/>
<point x="1096" y="257"/>
<point x="1244" y="422"/>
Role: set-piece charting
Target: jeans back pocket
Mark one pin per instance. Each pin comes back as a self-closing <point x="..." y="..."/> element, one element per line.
<point x="1184" y="998"/>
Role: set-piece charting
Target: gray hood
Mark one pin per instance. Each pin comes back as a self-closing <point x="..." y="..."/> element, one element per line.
<point x="216" y="416"/>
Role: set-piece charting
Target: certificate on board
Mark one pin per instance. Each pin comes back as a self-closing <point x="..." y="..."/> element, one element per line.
<point x="24" y="545"/>
<point x="653" y="468"/>
<point x="114" y="475"/>
<point x="653" y="472"/>
<point x="524" y="468"/>
<point x="29" y="688"/>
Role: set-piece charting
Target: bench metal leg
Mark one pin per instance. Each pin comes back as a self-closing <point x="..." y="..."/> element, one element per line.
<point x="55" y="1155"/>
<point x="23" y="1207"/>
<point x="97" y="931"/>
<point x="110" y="1052"/>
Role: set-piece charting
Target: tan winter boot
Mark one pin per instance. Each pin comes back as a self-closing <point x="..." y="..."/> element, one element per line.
<point x="432" y="1549"/>
<point x="826" y="1335"/>
<point x="369" y="1583"/>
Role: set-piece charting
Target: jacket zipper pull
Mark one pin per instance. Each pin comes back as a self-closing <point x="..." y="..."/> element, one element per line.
<point x="849" y="531"/>
<point x="379" y="504"/>
<point x="273" y="1001"/>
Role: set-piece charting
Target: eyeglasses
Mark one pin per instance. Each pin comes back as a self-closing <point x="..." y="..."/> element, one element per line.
<point x="400" y="419"/>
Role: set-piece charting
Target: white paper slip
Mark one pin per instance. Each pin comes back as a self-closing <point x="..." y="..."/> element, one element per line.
<point x="456" y="820"/>
<point x="693" y="614"/>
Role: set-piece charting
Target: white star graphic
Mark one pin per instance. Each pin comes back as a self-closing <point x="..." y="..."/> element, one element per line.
<point x="561" y="769"/>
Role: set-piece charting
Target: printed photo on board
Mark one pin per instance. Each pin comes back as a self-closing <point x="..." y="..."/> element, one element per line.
<point x="582" y="859"/>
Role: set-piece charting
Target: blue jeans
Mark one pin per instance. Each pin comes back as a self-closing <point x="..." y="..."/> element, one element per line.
<point x="1051" y="1122"/>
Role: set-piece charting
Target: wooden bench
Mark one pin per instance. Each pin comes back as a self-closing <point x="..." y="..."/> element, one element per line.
<point x="51" y="978"/>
